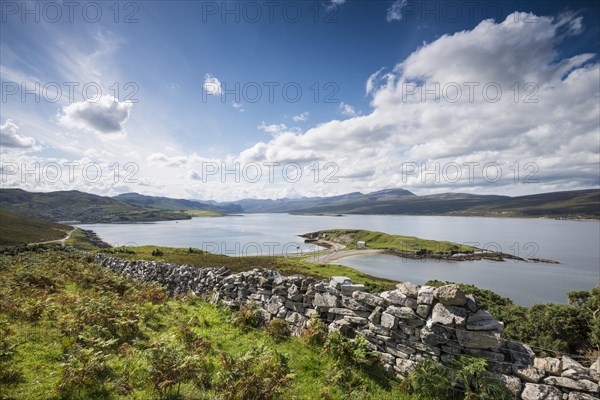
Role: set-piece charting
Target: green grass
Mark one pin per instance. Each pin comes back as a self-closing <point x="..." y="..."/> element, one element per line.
<point x="380" y="240"/>
<point x="79" y="240"/>
<point x="203" y="213"/>
<point x="45" y="293"/>
<point x="19" y="229"/>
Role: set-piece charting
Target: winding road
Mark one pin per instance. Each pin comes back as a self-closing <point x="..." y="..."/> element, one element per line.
<point x="61" y="241"/>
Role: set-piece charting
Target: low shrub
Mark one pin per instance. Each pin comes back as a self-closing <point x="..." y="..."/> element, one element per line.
<point x="248" y="317"/>
<point x="279" y="329"/>
<point x="258" y="374"/>
<point x="315" y="332"/>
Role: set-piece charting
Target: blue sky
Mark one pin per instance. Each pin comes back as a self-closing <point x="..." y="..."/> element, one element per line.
<point x="172" y="54"/>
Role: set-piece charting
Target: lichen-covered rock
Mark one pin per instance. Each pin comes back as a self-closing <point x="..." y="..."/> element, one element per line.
<point x="581" y="396"/>
<point x="520" y="354"/>
<point x="425" y="295"/>
<point x="408" y="289"/>
<point x="551" y="365"/>
<point x="434" y="335"/>
<point x="389" y="321"/>
<point x="369" y="299"/>
<point x="512" y="384"/>
<point x="325" y="300"/>
<point x="423" y="310"/>
<point x="479" y="340"/>
<point x="450" y="295"/>
<point x="448" y="315"/>
<point x="404" y="367"/>
<point x="530" y="374"/>
<point x="534" y="391"/>
<point x="582" y="385"/>
<point x="396" y="297"/>
<point x="375" y="316"/>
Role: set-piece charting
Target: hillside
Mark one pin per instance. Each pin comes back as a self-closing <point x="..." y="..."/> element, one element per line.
<point x="567" y="204"/>
<point x="78" y="206"/>
<point x="341" y="203"/>
<point x="71" y="330"/>
<point x="576" y="203"/>
<point x="169" y="204"/>
<point x="18" y="229"/>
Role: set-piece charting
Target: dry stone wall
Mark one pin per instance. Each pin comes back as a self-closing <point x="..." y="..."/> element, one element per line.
<point x="402" y="326"/>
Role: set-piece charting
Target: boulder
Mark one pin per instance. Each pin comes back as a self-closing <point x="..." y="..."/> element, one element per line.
<point x="596" y="365"/>
<point x="425" y="295"/>
<point x="408" y="289"/>
<point x="479" y="340"/>
<point x="551" y="365"/>
<point x="530" y="374"/>
<point x="349" y="302"/>
<point x="471" y="304"/>
<point x="450" y="295"/>
<point x="423" y="310"/>
<point x="448" y="315"/>
<point x="325" y="300"/>
<point x="434" y="335"/>
<point x="369" y="299"/>
<point x="581" y="396"/>
<point x="396" y="297"/>
<point x="533" y="391"/>
<point x="513" y="384"/>
<point x="520" y="354"/>
<point x="389" y="321"/>
<point x="349" y="289"/>
<point x="582" y="385"/>
<point x="404" y="367"/>
<point x="338" y="281"/>
<point x="375" y="316"/>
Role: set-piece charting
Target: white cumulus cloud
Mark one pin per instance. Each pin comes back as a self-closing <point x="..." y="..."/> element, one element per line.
<point x="11" y="139"/>
<point x="105" y="116"/>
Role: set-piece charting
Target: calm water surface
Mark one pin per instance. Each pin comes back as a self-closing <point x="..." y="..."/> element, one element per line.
<point x="575" y="244"/>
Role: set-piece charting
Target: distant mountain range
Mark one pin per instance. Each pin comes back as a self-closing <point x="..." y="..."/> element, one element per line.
<point x="572" y="204"/>
<point x="133" y="207"/>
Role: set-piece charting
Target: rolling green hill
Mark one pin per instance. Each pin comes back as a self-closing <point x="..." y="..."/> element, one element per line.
<point x="18" y="229"/>
<point x="78" y="206"/>
<point x="568" y="204"/>
<point x="169" y="204"/>
<point x="575" y="203"/>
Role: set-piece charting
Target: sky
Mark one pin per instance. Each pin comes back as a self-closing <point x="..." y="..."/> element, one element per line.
<point x="226" y="100"/>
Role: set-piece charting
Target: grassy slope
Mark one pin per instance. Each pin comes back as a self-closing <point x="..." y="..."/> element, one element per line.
<point x="18" y="229"/>
<point x="380" y="240"/>
<point x="204" y="213"/>
<point x="40" y="289"/>
<point x="575" y="203"/>
<point x="78" y="206"/>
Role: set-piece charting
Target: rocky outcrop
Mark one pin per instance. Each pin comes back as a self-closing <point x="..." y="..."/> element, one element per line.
<point x="401" y="326"/>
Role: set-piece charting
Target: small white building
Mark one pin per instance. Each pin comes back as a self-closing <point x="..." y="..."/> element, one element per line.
<point x="361" y="243"/>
